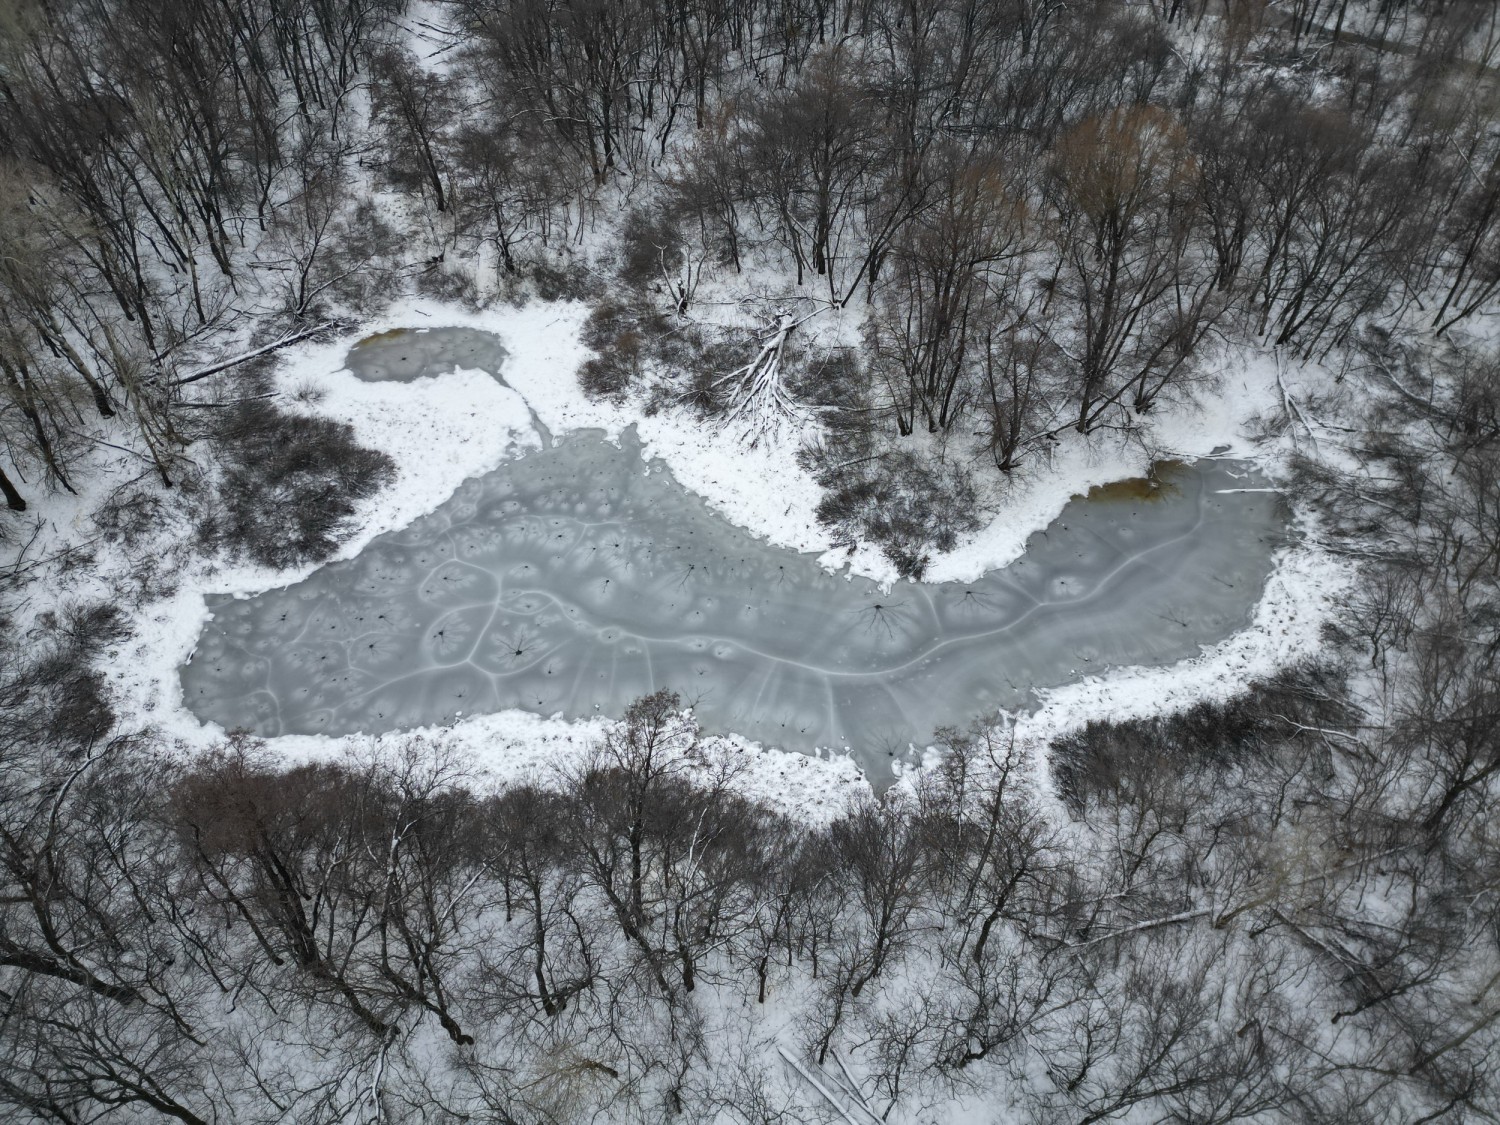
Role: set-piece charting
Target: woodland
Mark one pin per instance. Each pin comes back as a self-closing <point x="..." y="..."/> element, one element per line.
<point x="1048" y="220"/>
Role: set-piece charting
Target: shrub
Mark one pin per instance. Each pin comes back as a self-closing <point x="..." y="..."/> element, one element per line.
<point x="1108" y="758"/>
<point x="624" y="337"/>
<point x="131" y="516"/>
<point x="448" y="283"/>
<point x="49" y="693"/>
<point x="289" y="487"/>
<point x="834" y="380"/>
<point x="907" y="504"/>
<point x="700" y="357"/>
<point x="611" y="374"/>
<point x="648" y="244"/>
<point x="564" y="283"/>
<point x="605" y="322"/>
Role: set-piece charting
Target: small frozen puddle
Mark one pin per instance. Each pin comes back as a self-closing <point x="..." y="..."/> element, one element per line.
<point x="579" y="577"/>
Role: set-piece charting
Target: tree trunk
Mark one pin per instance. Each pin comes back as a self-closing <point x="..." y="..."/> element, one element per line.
<point x="13" y="499"/>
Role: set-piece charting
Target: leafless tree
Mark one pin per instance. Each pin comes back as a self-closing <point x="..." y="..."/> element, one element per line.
<point x="949" y="290"/>
<point x="1125" y="213"/>
<point x="412" y="106"/>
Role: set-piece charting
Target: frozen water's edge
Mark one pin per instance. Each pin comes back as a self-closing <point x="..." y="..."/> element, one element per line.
<point x="444" y="430"/>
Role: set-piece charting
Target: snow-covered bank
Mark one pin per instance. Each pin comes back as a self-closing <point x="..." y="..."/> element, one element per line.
<point x="442" y="430"/>
<point x="1300" y="593"/>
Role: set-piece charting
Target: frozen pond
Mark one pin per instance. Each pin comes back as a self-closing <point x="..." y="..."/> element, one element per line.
<point x="405" y="355"/>
<point x="579" y="577"/>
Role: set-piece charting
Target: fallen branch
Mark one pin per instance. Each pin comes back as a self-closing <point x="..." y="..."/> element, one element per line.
<point x="1142" y="927"/>
<point x="1293" y="411"/>
<point x="818" y="1086"/>
<point x="223" y="405"/>
<point x="853" y="1087"/>
<point x="204" y="373"/>
<point x="758" y="398"/>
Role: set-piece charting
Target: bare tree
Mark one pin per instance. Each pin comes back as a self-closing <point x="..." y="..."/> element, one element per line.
<point x="1125" y="213"/>
<point x="811" y="153"/>
<point x="950" y="286"/>
<point x="271" y="851"/>
<point x="412" y="106"/>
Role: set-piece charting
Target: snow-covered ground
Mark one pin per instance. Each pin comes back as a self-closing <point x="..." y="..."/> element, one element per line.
<point x="445" y="429"/>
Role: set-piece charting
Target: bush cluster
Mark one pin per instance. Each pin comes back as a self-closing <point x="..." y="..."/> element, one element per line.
<point x="290" y="485"/>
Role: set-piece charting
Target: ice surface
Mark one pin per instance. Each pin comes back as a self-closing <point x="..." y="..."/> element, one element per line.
<point x="403" y="355"/>
<point x="579" y="577"/>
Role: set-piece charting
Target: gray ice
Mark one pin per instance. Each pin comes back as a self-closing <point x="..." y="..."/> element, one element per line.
<point x="576" y="578"/>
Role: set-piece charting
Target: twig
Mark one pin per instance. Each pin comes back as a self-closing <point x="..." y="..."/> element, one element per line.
<point x="36" y="531"/>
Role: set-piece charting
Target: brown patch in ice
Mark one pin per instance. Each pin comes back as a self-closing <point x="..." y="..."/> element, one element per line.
<point x="1155" y="485"/>
<point x="383" y="337"/>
